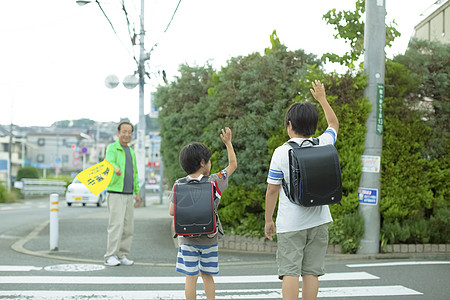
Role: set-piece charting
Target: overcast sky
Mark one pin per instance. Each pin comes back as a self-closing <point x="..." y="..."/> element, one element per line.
<point x="55" y="55"/>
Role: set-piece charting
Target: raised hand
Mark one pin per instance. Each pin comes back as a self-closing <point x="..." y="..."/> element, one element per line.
<point x="226" y="135"/>
<point x="318" y="91"/>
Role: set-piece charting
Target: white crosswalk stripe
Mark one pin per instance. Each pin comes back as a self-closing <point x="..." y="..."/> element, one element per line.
<point x="167" y="280"/>
<point x="168" y="287"/>
<point x="361" y="291"/>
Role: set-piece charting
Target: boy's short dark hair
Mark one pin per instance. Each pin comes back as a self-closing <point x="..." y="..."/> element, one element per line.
<point x="125" y="122"/>
<point x="304" y="118"/>
<point x="192" y="155"/>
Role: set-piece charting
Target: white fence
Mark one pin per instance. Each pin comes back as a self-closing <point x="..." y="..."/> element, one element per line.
<point x="43" y="187"/>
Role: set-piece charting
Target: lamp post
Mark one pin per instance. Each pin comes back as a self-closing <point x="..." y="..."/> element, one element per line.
<point x="140" y="150"/>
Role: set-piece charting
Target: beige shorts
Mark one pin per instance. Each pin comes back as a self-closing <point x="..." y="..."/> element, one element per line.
<point x="302" y="252"/>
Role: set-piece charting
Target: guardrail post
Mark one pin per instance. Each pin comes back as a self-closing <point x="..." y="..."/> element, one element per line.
<point x="54" y="223"/>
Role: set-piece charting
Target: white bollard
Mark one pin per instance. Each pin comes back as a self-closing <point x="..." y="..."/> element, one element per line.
<point x="54" y="223"/>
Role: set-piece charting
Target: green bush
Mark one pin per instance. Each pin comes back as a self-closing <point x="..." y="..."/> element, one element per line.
<point x="6" y="197"/>
<point x="415" y="169"/>
<point x="418" y="231"/>
<point x="347" y="231"/>
<point x="440" y="226"/>
<point x="395" y="233"/>
<point x="251" y="95"/>
<point x="3" y="193"/>
<point x="27" y="172"/>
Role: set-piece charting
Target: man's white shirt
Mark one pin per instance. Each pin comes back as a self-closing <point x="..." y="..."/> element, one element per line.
<point x="292" y="217"/>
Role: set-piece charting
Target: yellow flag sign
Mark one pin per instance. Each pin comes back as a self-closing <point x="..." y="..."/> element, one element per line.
<point x="97" y="177"/>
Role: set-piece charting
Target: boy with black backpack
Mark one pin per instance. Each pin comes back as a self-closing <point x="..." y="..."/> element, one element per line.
<point x="302" y="232"/>
<point x="199" y="252"/>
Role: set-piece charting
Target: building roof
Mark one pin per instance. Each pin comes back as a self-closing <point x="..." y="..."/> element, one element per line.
<point x="441" y="5"/>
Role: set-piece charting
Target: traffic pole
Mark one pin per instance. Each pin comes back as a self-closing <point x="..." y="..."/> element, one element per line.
<point x="54" y="222"/>
<point x="369" y="191"/>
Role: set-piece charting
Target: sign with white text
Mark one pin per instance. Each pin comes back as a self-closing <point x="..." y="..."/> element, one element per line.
<point x="380" y="114"/>
<point x="368" y="196"/>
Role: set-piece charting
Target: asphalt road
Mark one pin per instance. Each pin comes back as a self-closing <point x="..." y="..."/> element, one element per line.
<point x="28" y="270"/>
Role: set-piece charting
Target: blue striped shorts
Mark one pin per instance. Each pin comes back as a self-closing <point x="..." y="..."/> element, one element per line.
<point x="194" y="258"/>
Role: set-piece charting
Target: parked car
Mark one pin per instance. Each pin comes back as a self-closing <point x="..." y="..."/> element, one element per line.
<point x="78" y="193"/>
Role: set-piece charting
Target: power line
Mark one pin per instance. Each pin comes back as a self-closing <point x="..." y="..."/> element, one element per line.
<point x="132" y="36"/>
<point x="115" y="32"/>
<point x="168" y="25"/>
<point x="101" y="8"/>
<point x="173" y="15"/>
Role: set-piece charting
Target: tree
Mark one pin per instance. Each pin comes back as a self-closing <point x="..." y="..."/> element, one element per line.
<point x="251" y="95"/>
<point x="182" y="117"/>
<point x="415" y="189"/>
<point x="428" y="64"/>
<point x="350" y="27"/>
<point x="80" y="123"/>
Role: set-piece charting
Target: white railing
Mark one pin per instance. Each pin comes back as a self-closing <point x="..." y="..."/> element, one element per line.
<point x="43" y="187"/>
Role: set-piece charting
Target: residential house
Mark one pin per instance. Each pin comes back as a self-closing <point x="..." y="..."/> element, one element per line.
<point x="18" y="148"/>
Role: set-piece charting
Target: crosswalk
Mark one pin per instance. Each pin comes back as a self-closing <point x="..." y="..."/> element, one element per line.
<point x="45" y="287"/>
<point x="362" y="291"/>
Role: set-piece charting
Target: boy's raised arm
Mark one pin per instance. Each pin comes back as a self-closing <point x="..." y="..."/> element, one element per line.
<point x="232" y="161"/>
<point x="318" y="92"/>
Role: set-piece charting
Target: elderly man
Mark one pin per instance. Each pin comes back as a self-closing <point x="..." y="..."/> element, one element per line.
<point x="124" y="184"/>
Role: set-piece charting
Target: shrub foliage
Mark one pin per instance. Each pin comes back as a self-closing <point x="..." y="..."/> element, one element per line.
<point x="251" y="95"/>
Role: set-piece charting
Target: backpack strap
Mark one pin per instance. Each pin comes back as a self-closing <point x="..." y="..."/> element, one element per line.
<point x="313" y="142"/>
<point x="185" y="180"/>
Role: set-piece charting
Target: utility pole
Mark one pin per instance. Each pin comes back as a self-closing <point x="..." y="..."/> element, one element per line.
<point x="112" y="83"/>
<point x="141" y="125"/>
<point x="10" y="182"/>
<point x="369" y="186"/>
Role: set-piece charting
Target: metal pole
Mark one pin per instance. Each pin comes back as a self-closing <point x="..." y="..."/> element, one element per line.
<point x="97" y="140"/>
<point x="161" y="183"/>
<point x="140" y="153"/>
<point x="9" y="167"/>
<point x="54" y="222"/>
<point x="369" y="186"/>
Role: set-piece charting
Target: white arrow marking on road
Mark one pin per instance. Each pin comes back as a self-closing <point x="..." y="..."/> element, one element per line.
<point x="399" y="263"/>
<point x="19" y="268"/>
<point x="393" y="290"/>
<point x="168" y="280"/>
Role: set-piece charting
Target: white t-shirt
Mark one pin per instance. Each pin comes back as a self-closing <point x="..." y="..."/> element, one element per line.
<point x="292" y="217"/>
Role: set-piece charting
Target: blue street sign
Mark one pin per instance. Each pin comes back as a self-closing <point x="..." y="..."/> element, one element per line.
<point x="368" y="196"/>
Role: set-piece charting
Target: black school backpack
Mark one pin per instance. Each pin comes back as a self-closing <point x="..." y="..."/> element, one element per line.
<point x="315" y="175"/>
<point x="195" y="213"/>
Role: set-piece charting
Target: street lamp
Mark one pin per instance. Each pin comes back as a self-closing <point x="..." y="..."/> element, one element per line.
<point x="83" y="2"/>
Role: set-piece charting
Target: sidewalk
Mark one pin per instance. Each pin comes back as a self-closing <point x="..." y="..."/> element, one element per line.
<point x="83" y="238"/>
